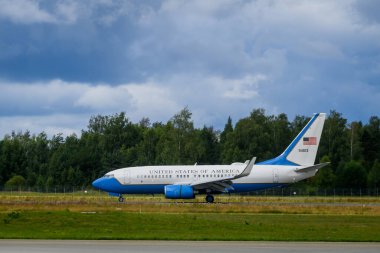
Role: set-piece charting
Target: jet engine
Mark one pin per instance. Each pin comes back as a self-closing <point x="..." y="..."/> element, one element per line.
<point x="179" y="192"/>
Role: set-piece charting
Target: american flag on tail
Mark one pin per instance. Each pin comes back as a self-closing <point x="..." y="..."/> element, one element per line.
<point x="309" y="140"/>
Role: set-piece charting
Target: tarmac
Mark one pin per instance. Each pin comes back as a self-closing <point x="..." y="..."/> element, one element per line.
<point x="83" y="246"/>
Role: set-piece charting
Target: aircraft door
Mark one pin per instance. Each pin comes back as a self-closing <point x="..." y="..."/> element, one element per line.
<point x="276" y="175"/>
<point x="127" y="177"/>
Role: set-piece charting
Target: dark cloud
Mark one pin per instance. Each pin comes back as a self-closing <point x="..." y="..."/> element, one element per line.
<point x="218" y="57"/>
<point x="368" y="9"/>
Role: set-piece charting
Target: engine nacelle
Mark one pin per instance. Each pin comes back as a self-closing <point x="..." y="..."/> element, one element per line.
<point x="179" y="192"/>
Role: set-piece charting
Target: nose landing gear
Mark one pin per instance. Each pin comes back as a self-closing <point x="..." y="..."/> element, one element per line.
<point x="209" y="198"/>
<point x="121" y="199"/>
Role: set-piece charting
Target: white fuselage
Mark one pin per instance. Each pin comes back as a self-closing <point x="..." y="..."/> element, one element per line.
<point x="187" y="174"/>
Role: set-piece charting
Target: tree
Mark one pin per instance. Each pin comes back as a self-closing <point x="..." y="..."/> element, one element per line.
<point x="113" y="141"/>
<point x="325" y="177"/>
<point x="49" y="183"/>
<point x="166" y="148"/>
<point x="352" y="175"/>
<point x="209" y="146"/>
<point x="16" y="182"/>
<point x="146" y="148"/>
<point x="370" y="141"/>
<point x="228" y="128"/>
<point x="374" y="175"/>
<point x="182" y="121"/>
<point x="298" y="124"/>
<point x="183" y="132"/>
<point x="281" y="133"/>
<point x="335" y="139"/>
<point x="355" y="134"/>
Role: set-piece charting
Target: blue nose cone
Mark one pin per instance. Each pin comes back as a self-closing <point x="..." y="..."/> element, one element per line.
<point x="108" y="185"/>
<point x="98" y="183"/>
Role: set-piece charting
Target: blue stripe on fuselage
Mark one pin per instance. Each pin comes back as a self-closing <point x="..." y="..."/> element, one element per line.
<point x="112" y="185"/>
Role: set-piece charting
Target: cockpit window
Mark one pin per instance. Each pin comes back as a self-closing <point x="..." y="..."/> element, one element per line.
<point x="108" y="175"/>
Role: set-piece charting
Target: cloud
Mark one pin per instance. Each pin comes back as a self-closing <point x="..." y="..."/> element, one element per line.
<point x="38" y="98"/>
<point x="157" y="99"/>
<point x="153" y="100"/>
<point x="57" y="96"/>
<point x="243" y="90"/>
<point x="24" y="12"/>
<point x="104" y="97"/>
<point x="53" y="124"/>
<point x="27" y="106"/>
<point x="126" y="41"/>
<point x="368" y="10"/>
<point x="68" y="11"/>
<point x="27" y="12"/>
<point x="220" y="58"/>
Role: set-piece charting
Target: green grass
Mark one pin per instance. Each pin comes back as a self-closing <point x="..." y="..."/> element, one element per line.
<point x="187" y="226"/>
<point x="26" y="215"/>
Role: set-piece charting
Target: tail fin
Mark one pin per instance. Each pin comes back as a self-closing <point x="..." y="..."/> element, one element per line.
<point x="303" y="149"/>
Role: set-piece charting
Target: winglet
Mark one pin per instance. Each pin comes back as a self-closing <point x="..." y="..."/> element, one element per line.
<point x="247" y="169"/>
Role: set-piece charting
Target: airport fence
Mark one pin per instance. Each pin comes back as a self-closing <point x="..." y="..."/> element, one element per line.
<point x="279" y="191"/>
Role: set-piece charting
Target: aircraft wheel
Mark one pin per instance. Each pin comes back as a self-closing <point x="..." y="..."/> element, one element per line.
<point x="121" y="199"/>
<point x="209" y="199"/>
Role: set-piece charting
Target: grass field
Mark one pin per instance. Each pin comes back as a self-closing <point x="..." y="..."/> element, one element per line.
<point x="97" y="216"/>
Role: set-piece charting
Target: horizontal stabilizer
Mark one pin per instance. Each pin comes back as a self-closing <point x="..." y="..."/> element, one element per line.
<point x="312" y="168"/>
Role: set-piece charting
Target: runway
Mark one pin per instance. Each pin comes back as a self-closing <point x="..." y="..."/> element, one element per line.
<point x="311" y="204"/>
<point x="69" y="246"/>
<point x="187" y="203"/>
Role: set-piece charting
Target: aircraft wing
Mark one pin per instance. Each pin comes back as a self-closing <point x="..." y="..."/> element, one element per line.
<point x="223" y="184"/>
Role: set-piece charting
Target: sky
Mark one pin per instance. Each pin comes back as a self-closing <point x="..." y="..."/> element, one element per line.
<point x="63" y="61"/>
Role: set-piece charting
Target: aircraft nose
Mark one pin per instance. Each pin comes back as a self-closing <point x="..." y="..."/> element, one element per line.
<point x="98" y="183"/>
<point x="106" y="184"/>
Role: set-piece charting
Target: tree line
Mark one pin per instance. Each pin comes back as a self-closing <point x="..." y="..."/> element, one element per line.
<point x="113" y="141"/>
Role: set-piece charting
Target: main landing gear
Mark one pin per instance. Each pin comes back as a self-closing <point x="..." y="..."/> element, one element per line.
<point x="121" y="199"/>
<point x="209" y="198"/>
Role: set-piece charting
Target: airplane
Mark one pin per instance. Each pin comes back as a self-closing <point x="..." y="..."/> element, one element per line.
<point x="185" y="181"/>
